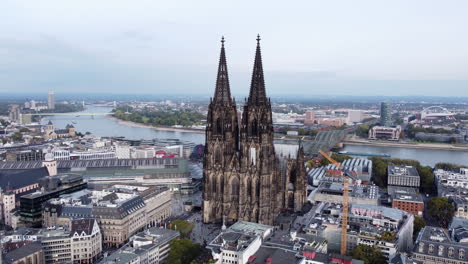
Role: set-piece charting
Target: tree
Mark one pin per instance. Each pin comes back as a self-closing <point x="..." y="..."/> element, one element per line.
<point x="427" y="179"/>
<point x="183" y="251"/>
<point x="184" y="227"/>
<point x="368" y="254"/>
<point x="363" y="131"/>
<point x="24" y="129"/>
<point x="449" y="166"/>
<point x="419" y="223"/>
<point x="17" y="136"/>
<point x="440" y="210"/>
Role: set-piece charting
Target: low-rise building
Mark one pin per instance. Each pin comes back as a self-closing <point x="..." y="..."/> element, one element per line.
<point x="150" y="247"/>
<point x="406" y="199"/>
<point x="332" y="192"/>
<point x="388" y="133"/>
<point x="361" y="168"/>
<point x="30" y="253"/>
<point x="446" y="180"/>
<point x="82" y="243"/>
<point x="434" y="245"/>
<point x="239" y="242"/>
<point x="461" y="206"/>
<point x="403" y="176"/>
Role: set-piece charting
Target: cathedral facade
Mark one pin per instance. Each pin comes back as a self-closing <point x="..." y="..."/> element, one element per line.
<point x="243" y="177"/>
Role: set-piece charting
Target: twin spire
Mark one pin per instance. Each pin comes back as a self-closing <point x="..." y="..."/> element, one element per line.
<point x="222" y="92"/>
<point x="257" y="87"/>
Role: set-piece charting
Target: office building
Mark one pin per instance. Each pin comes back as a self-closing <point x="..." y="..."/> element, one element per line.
<point x="382" y="132"/>
<point x="15" y="184"/>
<point x="81" y="243"/>
<point x="51" y="100"/>
<point x="50" y="187"/>
<point x="355" y="116"/>
<point x="332" y="192"/>
<point x="406" y="199"/>
<point x="151" y="246"/>
<point x="121" y="210"/>
<point x="403" y="176"/>
<point x="385" y="114"/>
<point x="29" y="253"/>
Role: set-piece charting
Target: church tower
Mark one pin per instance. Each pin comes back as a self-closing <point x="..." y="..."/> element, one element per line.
<point x="243" y="177"/>
<point x="220" y="167"/>
<point x="259" y="176"/>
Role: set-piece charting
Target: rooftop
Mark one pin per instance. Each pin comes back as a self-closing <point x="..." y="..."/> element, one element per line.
<point x="410" y="171"/>
<point x="22" y="252"/>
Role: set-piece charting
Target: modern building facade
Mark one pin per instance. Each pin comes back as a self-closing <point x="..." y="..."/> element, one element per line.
<point x="385" y="114"/>
<point x="151" y="246"/>
<point x="243" y="177"/>
<point x="51" y="100"/>
<point x="383" y="132"/>
<point x="403" y="176"/>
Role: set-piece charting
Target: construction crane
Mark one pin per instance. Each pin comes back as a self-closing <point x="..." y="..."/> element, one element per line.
<point x="344" y="217"/>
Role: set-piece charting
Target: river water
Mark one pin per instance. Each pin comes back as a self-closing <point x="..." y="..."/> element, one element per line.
<point x="425" y="156"/>
<point x="101" y="125"/>
<point x="104" y="126"/>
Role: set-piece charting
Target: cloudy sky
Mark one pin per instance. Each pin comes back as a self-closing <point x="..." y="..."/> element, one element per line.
<point x="357" y="47"/>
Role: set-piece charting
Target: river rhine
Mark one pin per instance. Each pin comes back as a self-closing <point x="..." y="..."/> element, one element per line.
<point x="101" y="125"/>
<point x="104" y="126"/>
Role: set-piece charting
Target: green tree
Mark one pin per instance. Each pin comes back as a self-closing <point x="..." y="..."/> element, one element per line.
<point x="368" y="254"/>
<point x="183" y="251"/>
<point x="24" y="129"/>
<point x="449" y="166"/>
<point x="17" y="136"/>
<point x="363" y="131"/>
<point x="184" y="227"/>
<point x="419" y="223"/>
<point x="440" y="210"/>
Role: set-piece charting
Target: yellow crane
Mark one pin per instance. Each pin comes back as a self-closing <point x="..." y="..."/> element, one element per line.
<point x="344" y="217"/>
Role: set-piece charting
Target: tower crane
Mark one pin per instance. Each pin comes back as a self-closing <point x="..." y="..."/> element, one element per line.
<point x="344" y="218"/>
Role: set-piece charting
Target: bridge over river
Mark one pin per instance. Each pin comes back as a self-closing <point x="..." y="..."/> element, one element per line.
<point x="325" y="140"/>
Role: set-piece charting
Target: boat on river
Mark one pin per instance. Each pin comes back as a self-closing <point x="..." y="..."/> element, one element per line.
<point x="385" y="155"/>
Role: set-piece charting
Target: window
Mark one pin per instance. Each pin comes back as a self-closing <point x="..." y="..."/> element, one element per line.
<point x="450" y="252"/>
<point x="431" y="249"/>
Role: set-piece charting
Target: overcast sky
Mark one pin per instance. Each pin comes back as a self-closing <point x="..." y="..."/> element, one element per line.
<point x="397" y="47"/>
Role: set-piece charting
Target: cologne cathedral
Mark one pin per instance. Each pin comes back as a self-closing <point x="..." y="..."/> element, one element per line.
<point x="243" y="177"/>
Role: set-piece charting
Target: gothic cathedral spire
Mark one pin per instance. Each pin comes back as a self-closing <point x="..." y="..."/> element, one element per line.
<point x="257" y="86"/>
<point x="222" y="92"/>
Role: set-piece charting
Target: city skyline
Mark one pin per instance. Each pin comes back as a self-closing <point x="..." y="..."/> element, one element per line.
<point x="363" y="48"/>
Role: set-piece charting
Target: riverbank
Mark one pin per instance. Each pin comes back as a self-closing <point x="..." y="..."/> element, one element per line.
<point x="174" y="129"/>
<point x="397" y="144"/>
